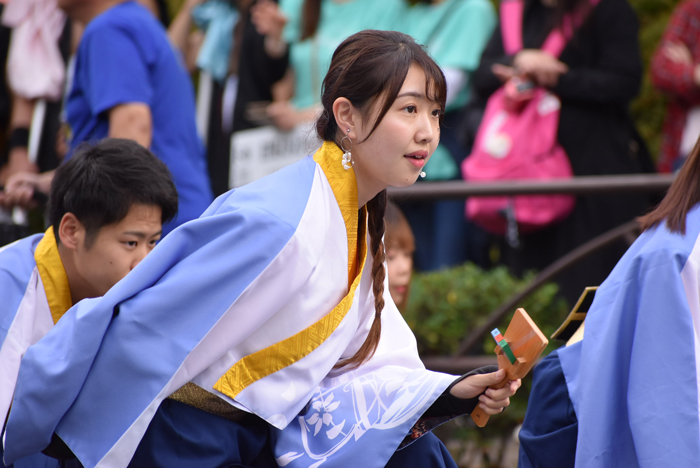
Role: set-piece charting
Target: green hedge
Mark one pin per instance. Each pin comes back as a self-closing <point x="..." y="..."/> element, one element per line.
<point x="445" y="305"/>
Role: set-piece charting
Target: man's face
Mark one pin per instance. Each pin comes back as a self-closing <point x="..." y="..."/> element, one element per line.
<point x="117" y="248"/>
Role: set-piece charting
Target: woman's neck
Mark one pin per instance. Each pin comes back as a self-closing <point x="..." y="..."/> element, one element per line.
<point x="365" y="189"/>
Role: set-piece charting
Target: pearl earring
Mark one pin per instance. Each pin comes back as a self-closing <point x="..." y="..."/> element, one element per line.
<point x="423" y="174"/>
<point x="347" y="155"/>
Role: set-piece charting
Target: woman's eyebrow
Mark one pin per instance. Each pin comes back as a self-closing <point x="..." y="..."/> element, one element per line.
<point x="412" y="94"/>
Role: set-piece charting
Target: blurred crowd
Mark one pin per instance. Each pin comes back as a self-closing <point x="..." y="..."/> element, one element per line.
<point x="82" y="70"/>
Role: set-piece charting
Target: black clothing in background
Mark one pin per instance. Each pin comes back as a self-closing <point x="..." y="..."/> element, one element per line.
<point x="48" y="158"/>
<point x="218" y="144"/>
<point x="595" y="130"/>
<point x="256" y="74"/>
<point x="5" y="98"/>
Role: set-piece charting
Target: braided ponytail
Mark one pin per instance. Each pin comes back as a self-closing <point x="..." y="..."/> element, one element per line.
<point x="376" y="208"/>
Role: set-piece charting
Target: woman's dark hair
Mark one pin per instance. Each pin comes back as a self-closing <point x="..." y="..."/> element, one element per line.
<point x="370" y="67"/>
<point x="101" y="182"/>
<point x="682" y="196"/>
<point x="310" y="16"/>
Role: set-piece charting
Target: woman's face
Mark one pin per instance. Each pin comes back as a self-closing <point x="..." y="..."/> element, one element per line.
<point x="400" y="265"/>
<point x="395" y="154"/>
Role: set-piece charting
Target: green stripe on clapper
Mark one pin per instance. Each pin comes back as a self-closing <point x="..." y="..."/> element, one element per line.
<point x="503" y="344"/>
<point x="506" y="349"/>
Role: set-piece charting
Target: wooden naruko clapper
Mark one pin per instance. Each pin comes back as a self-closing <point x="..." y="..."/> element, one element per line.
<point x="526" y="343"/>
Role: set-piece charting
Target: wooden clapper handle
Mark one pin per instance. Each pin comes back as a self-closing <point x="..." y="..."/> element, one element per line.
<point x="525" y="341"/>
<point x="480" y="416"/>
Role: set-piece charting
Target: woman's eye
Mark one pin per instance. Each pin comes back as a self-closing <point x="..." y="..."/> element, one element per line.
<point x="411" y="109"/>
<point x="436" y="113"/>
<point x="132" y="243"/>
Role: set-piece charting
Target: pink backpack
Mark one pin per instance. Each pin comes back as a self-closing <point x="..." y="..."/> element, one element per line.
<point x="520" y="142"/>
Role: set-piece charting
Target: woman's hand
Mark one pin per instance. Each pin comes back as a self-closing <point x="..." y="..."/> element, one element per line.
<point x="539" y="66"/>
<point x="20" y="187"/>
<point x="493" y="401"/>
<point x="268" y="19"/>
<point x="502" y="72"/>
<point x="18" y="161"/>
<point x="285" y="116"/>
<point x="677" y="52"/>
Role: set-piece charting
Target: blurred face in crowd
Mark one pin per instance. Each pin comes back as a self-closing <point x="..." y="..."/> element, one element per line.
<point x="398" y="149"/>
<point x="400" y="265"/>
<point x="97" y="262"/>
<point x="400" y="244"/>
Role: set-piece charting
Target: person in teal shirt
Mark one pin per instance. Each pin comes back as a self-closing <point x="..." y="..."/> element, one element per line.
<point x="312" y="43"/>
<point x="455" y="32"/>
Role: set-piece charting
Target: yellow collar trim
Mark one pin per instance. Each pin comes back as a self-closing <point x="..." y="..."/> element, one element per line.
<point x="344" y="186"/>
<point x="285" y="353"/>
<point x="53" y="275"/>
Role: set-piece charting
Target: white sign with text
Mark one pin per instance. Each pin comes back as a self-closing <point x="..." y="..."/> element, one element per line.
<point x="261" y="151"/>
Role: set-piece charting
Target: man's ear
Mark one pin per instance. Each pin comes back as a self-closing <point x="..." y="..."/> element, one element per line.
<point x="347" y="117"/>
<point x="71" y="231"/>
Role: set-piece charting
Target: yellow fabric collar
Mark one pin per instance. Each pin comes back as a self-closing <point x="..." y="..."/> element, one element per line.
<point x="53" y="275"/>
<point x="344" y="186"/>
<point x="288" y="351"/>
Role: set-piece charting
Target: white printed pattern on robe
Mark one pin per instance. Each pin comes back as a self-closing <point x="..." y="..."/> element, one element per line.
<point x="338" y="417"/>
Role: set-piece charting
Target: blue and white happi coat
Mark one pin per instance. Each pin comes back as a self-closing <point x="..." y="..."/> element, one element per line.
<point x="634" y="378"/>
<point x="34" y="294"/>
<point x="255" y="301"/>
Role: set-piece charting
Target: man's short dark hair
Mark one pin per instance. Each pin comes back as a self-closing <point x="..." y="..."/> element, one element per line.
<point x="101" y="182"/>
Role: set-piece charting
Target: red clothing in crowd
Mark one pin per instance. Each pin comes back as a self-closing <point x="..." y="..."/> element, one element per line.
<point x="677" y="79"/>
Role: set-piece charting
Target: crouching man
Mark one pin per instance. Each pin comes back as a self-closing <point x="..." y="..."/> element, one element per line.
<point x="106" y="207"/>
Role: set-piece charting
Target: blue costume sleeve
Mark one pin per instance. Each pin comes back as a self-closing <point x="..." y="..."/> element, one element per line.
<point x="117" y="68"/>
<point x="147" y="324"/>
<point x="548" y="434"/>
<point x="16" y="265"/>
<point x="638" y="386"/>
<point x="63" y="358"/>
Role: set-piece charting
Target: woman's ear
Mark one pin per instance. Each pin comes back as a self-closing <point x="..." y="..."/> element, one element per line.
<point x="71" y="231"/>
<point x="346" y="116"/>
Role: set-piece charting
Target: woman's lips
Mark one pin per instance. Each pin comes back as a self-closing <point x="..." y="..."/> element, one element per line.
<point x="417" y="159"/>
